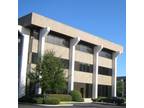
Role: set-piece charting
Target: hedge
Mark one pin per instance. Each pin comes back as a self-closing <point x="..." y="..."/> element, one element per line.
<point x="51" y="100"/>
<point x="61" y="97"/>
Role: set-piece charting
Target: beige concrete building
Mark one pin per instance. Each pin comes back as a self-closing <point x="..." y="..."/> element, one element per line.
<point x="91" y="62"/>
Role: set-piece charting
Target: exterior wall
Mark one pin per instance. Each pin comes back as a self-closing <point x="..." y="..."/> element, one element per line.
<point x="80" y="77"/>
<point x="83" y="77"/>
<point x="104" y="80"/>
<point x="83" y="57"/>
<point x="35" y="50"/>
<point x="105" y="62"/>
<point x="60" y="51"/>
<point x="66" y="73"/>
<point x="35" y="45"/>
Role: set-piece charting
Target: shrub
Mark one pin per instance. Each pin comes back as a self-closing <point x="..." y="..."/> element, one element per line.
<point x="39" y="100"/>
<point x="76" y="96"/>
<point x="51" y="100"/>
<point x="61" y="97"/>
<point x="26" y="99"/>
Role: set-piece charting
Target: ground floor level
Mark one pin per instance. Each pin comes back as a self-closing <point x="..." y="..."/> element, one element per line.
<point x="84" y="88"/>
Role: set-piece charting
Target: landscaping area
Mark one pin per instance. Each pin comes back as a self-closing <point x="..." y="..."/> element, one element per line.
<point x="53" y="98"/>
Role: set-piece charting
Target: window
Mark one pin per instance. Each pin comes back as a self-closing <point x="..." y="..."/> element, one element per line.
<point x="104" y="71"/>
<point x="35" y="33"/>
<point x="34" y="57"/>
<point x="106" y="53"/>
<point x="57" y="39"/>
<point x="104" y="90"/>
<point x="84" y="47"/>
<point x="66" y="63"/>
<point x="83" y="67"/>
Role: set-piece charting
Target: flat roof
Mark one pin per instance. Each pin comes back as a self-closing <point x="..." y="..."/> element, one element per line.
<point x="34" y="19"/>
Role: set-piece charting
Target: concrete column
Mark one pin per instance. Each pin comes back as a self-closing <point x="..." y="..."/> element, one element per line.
<point x="24" y="57"/>
<point x="97" y="49"/>
<point x="43" y="33"/>
<point x="73" y="43"/>
<point x="114" y="73"/>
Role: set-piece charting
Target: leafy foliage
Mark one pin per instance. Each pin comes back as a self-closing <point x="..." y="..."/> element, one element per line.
<point x="120" y="88"/>
<point x="76" y="96"/>
<point x="61" y="97"/>
<point x="50" y="73"/>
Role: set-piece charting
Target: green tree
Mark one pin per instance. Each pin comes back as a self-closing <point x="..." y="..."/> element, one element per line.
<point x="49" y="72"/>
<point x="120" y="88"/>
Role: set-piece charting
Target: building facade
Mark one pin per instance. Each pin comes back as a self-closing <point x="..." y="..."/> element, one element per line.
<point x="91" y="62"/>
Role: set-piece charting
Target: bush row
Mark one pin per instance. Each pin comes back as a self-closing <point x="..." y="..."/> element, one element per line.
<point x="61" y="97"/>
<point x="40" y="100"/>
<point x="52" y="98"/>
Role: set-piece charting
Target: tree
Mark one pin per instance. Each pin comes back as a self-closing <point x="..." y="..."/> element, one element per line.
<point x="49" y="72"/>
<point x="120" y="88"/>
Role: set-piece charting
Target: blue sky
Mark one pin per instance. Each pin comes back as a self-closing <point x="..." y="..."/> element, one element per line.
<point x="103" y="18"/>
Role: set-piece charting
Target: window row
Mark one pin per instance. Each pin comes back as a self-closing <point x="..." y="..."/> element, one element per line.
<point x="83" y="67"/>
<point x="35" y="60"/>
<point x="57" y="39"/>
<point x="105" y="71"/>
<point x="104" y="90"/>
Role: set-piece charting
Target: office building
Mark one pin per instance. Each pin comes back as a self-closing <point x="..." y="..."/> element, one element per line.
<point x="91" y="61"/>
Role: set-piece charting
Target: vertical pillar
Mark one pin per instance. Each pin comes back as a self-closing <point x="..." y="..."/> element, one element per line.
<point x="24" y="57"/>
<point x="114" y="73"/>
<point x="43" y="33"/>
<point x="97" y="49"/>
<point x="73" y="43"/>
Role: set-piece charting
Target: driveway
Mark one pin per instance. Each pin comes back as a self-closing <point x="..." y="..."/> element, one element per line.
<point x="83" y="105"/>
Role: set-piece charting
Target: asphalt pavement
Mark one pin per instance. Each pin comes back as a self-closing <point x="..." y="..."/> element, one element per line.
<point x="82" y="105"/>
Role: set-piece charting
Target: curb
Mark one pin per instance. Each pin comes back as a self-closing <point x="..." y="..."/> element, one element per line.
<point x="45" y="104"/>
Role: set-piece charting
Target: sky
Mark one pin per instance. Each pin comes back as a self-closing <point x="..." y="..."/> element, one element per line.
<point x="103" y="18"/>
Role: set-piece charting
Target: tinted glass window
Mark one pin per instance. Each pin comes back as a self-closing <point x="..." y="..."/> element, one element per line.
<point x="106" y="53"/>
<point x="57" y="39"/>
<point x="104" y="71"/>
<point x="84" y="47"/>
<point x="34" y="57"/>
<point x="104" y="90"/>
<point x="83" y="67"/>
